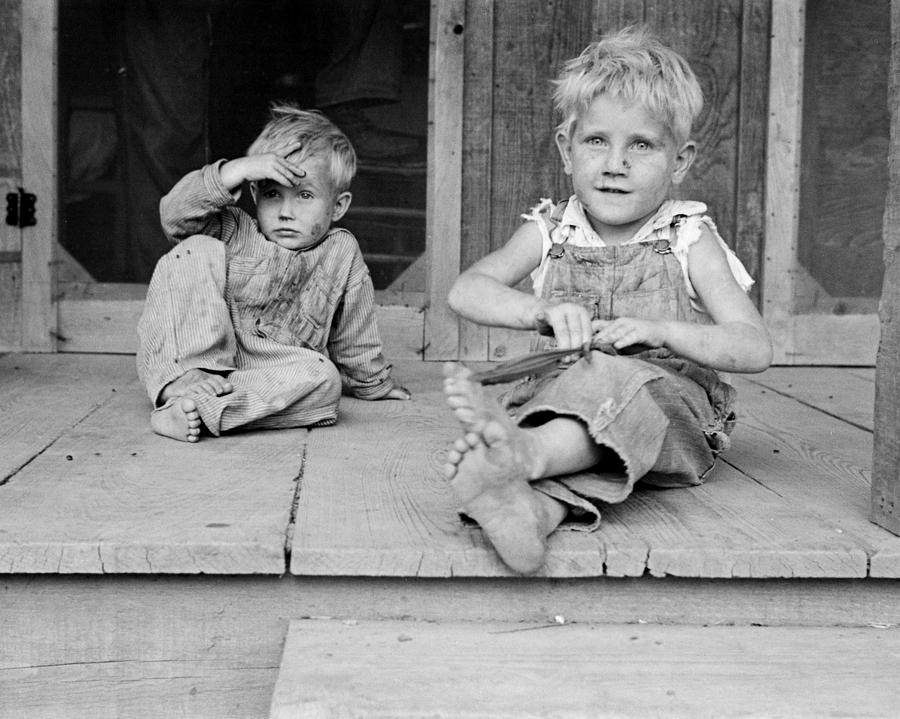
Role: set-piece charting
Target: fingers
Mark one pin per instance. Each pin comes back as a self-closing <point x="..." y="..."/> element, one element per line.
<point x="628" y="331"/>
<point x="287" y="173"/>
<point x="289" y="149"/>
<point x="571" y="325"/>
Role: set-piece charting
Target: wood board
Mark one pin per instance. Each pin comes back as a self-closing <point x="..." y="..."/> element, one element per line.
<point x="100" y="493"/>
<point x="374" y="503"/>
<point x="333" y="669"/>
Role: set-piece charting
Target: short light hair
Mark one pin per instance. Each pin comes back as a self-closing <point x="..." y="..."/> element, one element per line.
<point x="317" y="136"/>
<point x="632" y="65"/>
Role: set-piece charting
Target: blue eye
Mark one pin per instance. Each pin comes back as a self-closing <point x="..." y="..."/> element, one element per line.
<point x="642" y="146"/>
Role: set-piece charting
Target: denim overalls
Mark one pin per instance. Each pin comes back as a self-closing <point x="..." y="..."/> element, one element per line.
<point x="663" y="419"/>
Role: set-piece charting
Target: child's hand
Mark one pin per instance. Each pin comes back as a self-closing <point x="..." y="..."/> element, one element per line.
<point x="274" y="166"/>
<point x="398" y="393"/>
<point x="626" y="331"/>
<point x="570" y="324"/>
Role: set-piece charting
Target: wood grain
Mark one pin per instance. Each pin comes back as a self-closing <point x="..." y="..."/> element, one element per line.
<point x="43" y="396"/>
<point x="748" y="233"/>
<point x="820" y="463"/>
<point x="478" y="104"/>
<point x="444" y="224"/>
<point x="832" y="390"/>
<point x="739" y="524"/>
<point x="367" y="669"/>
<point x="209" y="646"/>
<point x="374" y="501"/>
<point x="885" y="499"/>
<point x="40" y="173"/>
<point x="10" y="96"/>
<point x="100" y="493"/>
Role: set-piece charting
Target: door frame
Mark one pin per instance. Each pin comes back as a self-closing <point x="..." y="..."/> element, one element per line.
<point x="799" y="339"/>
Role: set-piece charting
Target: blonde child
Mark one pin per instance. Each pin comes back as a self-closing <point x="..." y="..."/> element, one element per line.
<point x="261" y="322"/>
<point x="622" y="266"/>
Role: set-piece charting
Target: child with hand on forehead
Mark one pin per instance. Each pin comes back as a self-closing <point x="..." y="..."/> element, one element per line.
<point x="262" y="322"/>
<point x="645" y="281"/>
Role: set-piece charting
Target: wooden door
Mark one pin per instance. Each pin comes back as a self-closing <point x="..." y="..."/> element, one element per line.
<point x="63" y="307"/>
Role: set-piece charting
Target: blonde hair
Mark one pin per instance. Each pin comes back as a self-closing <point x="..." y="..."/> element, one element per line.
<point x="317" y="135"/>
<point x="632" y="65"/>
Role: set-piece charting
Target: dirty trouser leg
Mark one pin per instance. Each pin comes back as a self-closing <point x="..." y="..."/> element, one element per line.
<point x="186" y="323"/>
<point x="278" y="386"/>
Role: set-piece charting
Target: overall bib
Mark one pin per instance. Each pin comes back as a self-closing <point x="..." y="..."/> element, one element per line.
<point x="662" y="419"/>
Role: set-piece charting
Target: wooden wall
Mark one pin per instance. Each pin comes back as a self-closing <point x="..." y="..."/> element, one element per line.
<point x="10" y="172"/>
<point x="514" y="49"/>
<point x="886" y="459"/>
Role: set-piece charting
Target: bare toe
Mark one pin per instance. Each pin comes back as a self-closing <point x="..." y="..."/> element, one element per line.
<point x="177" y="419"/>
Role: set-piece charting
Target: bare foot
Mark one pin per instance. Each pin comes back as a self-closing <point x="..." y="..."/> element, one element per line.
<point x="489" y="468"/>
<point x="196" y="381"/>
<point x="178" y="418"/>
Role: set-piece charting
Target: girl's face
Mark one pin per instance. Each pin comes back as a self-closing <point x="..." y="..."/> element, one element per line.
<point x="623" y="162"/>
<point x="296" y="218"/>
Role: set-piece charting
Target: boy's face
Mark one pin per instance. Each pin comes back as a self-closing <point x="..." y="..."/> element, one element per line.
<point x="296" y="218"/>
<point x="623" y="162"/>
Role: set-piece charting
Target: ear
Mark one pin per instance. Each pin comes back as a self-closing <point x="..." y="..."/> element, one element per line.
<point x="341" y="205"/>
<point x="684" y="158"/>
<point x="564" y="145"/>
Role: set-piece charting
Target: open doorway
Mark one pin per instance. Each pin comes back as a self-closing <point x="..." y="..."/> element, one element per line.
<point x="151" y="89"/>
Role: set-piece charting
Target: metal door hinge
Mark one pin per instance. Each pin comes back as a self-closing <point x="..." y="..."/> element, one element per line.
<point x="20" y="208"/>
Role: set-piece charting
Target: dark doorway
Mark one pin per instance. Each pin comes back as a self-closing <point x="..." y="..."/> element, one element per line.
<point x="151" y="89"/>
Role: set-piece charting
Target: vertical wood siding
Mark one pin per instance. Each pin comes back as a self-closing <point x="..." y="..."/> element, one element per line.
<point x="510" y="159"/>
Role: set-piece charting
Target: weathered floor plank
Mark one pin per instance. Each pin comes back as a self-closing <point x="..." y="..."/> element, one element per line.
<point x="42" y="396"/>
<point x="137" y="689"/>
<point x="388" y="512"/>
<point x="834" y="390"/>
<point x="390" y="669"/>
<point x="733" y="527"/>
<point x="99" y="492"/>
<point x="819" y="463"/>
<point x="374" y="501"/>
<point x="109" y="496"/>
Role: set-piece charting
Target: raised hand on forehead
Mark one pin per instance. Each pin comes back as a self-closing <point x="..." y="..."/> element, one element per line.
<point x="275" y="166"/>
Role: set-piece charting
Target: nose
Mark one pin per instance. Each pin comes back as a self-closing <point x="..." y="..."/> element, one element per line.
<point x="616" y="161"/>
<point x="286" y="210"/>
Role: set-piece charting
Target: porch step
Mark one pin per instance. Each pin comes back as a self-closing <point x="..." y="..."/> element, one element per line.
<point x="337" y="669"/>
<point x="790" y="499"/>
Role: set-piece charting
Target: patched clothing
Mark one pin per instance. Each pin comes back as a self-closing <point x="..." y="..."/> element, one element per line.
<point x="663" y="418"/>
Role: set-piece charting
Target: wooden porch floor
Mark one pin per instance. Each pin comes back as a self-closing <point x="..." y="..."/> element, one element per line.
<point x="86" y="488"/>
<point x="109" y="535"/>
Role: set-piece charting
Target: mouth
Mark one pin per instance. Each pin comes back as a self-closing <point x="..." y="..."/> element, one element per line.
<point x="613" y="191"/>
<point x="285" y="232"/>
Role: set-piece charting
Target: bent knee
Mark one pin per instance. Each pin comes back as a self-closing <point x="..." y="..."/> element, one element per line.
<point x="197" y="247"/>
<point x="195" y="256"/>
<point x="329" y="377"/>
